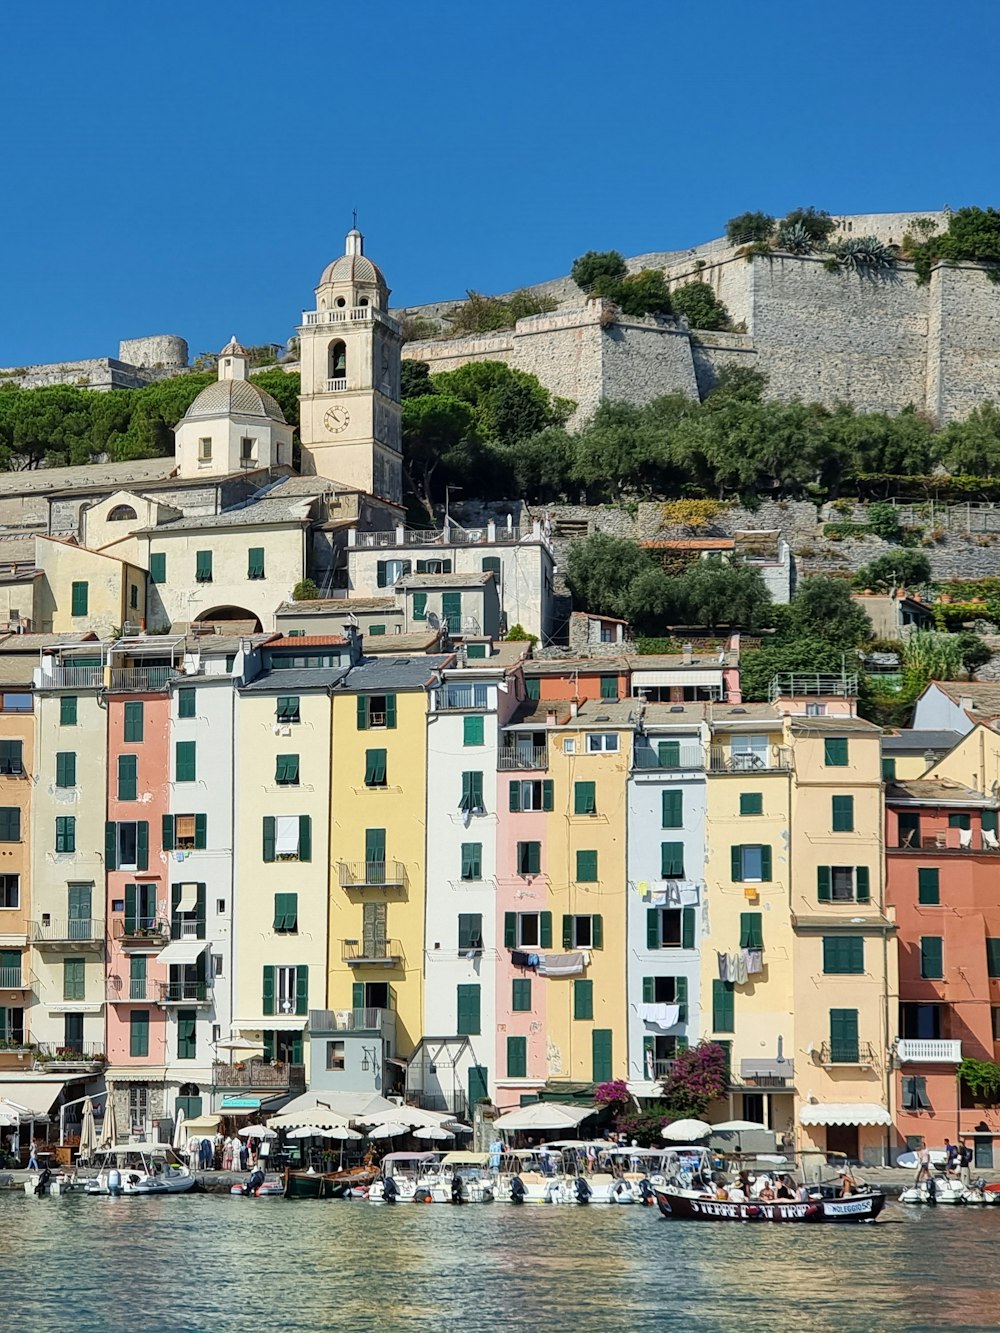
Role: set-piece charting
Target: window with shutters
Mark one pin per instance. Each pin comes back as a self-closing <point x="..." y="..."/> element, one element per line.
<point x="185" y="833"/>
<point x="472" y="860"/>
<point x="434" y="566"/>
<point x="419" y="605"/>
<point x="844" y="1046"/>
<point x="529" y="858"/>
<point x="993" y="956"/>
<point x="470" y="932"/>
<point x="473" y="731"/>
<point x="471" y="801"/>
<point x="79" y="599"/>
<point x="671" y="860"/>
<point x="203" y="566"/>
<point x="583" y="1000"/>
<point x="517" y="1057"/>
<point x="659" y="990"/>
<point x="843" y="955"/>
<point x="187" y="1034"/>
<point x="187" y="702"/>
<point x="932" y="957"/>
<point x="915" y="1093"/>
<point x="751" y="930"/>
<point x="520" y="999"/>
<point x="134" y="722"/>
<point x="602" y="1069"/>
<point x="835" y="753"/>
<point x="375" y="711"/>
<point x="286" y="913"/>
<point x="532" y="687"/>
<point x="129" y="845"/>
<point x="751" y="864"/>
<point x="288" y="990"/>
<point x="584" y="798"/>
<point x="137" y="978"/>
<point x="74" y="983"/>
<point x="583" y="932"/>
<point x="10" y="823"/>
<point x="469" y="1022"/>
<point x="128" y="777"/>
<point x="187" y="911"/>
<point x="527" y="794"/>
<point x="751" y="803"/>
<point x="65" y="833"/>
<point x="67" y="710"/>
<point x="609" y="687"/>
<point x="287" y="838"/>
<point x="375" y="768"/>
<point x="185" y="761"/>
<point x="140" y="909"/>
<point x="586" y="867"/>
<point x="842" y="814"/>
<point x="528" y="931"/>
<point x="843" y="884"/>
<point x="66" y="768"/>
<point x="673" y="808"/>
<point x="287" y="708"/>
<point x="255" y="562"/>
<point x="138" y="1039"/>
<point x="286" y="770"/>
<point x="11" y="758"/>
<point x="10" y="893"/>
<point x="723" y="1006"/>
<point x="491" y="565"/>
<point x="928" y="886"/>
<point x="158" y="567"/>
<point x="670" y="927"/>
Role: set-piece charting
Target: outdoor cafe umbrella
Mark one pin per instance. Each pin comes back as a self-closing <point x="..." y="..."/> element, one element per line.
<point x="387" y="1131"/>
<point x="88" y="1132"/>
<point x="686" y="1131"/>
<point x="179" y="1131"/>
<point x="256" y="1132"/>
<point x="109" y="1130"/>
<point x="432" y="1132"/>
<point x="239" y="1044"/>
<point x="733" y="1126"/>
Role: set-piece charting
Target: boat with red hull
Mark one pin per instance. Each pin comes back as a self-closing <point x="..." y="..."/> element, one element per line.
<point x="687" y="1205"/>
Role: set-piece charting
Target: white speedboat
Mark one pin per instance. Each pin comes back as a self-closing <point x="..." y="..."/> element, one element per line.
<point x="539" y="1175"/>
<point x="949" y="1190"/>
<point x="140" y="1168"/>
<point x="410" y="1177"/>
<point x="467" y="1177"/>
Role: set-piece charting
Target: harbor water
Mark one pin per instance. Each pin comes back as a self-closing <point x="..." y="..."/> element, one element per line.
<point x="202" y="1262"/>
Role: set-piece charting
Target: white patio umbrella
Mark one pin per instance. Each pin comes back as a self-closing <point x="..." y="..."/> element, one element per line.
<point x="387" y="1131"/>
<point x="341" y="1132"/>
<point x="88" y="1132"/>
<point x="733" y="1126"/>
<point x="256" y="1132"/>
<point x="686" y="1131"/>
<point x="544" y="1116"/>
<point x="432" y="1132"/>
<point x="239" y="1044"/>
<point x="109" y="1130"/>
<point x="180" y="1133"/>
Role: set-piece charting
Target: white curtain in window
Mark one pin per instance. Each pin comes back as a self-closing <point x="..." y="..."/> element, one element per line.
<point x="286" y="835"/>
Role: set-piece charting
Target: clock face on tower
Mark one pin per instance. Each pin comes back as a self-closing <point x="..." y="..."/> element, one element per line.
<point x="337" y="419"/>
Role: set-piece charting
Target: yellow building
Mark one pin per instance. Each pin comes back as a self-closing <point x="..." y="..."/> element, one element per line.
<point x="590" y="755"/>
<point x="378" y="812"/>
<point x="86" y="590"/>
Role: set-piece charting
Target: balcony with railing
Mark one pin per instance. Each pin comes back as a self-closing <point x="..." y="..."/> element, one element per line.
<point x="798" y="684"/>
<point x="456" y="1103"/>
<point x="932" y="1052"/>
<point x="131" y="990"/>
<point x="141" y="679"/>
<point x="523" y="757"/>
<point x="372" y="874"/>
<point x="75" y="933"/>
<point x="452" y="536"/>
<point x="380" y="1021"/>
<point x="339" y="385"/>
<point x="71" y="678"/>
<point x="663" y="1068"/>
<point x="666" y="756"/>
<point x="358" y="314"/>
<point x="152" y="933"/>
<point x="772" y="759"/>
<point x="458" y="696"/>
<point x="259" y="1074"/>
<point x="84" y="1056"/>
<point x="382" y="953"/>
<point x="14" y="978"/>
<point x="183" y="992"/>
<point x="848" y="1053"/>
<point x="764" y="1073"/>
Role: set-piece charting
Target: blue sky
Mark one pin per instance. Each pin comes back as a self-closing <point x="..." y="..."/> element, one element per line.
<point x="190" y="168"/>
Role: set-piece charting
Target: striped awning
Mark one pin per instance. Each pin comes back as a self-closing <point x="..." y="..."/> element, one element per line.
<point x="845" y="1113"/>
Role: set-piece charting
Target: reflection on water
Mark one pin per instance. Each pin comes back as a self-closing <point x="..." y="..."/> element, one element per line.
<point x="193" y="1263"/>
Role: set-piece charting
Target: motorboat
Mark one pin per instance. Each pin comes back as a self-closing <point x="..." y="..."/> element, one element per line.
<point x="260" y="1185"/>
<point x="352" y="1182"/>
<point x="948" y="1190"/>
<point x="140" y="1168"/>
<point x="694" y="1192"/>
<point x="539" y="1175"/>
<point x="45" y="1184"/>
<point x="410" y="1177"/>
<point x="467" y="1177"/>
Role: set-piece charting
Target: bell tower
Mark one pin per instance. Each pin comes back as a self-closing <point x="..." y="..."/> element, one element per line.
<point x="349" y="409"/>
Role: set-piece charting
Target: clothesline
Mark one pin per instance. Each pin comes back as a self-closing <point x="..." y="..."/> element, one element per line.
<point x="739" y="966"/>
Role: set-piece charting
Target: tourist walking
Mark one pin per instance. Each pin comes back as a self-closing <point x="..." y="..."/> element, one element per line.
<point x="950" y="1157"/>
<point x="32" y="1157"/>
<point x="923" y="1165"/>
<point x="965" y="1163"/>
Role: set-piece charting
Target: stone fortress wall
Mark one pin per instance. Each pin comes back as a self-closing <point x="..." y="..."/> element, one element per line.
<point x="881" y="343"/>
<point x="139" y="362"/>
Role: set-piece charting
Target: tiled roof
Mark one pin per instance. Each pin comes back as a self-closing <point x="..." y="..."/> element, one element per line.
<point x="389" y="645"/>
<point x="831" y="726"/>
<point x="296" y="510"/>
<point x="374" y="675"/>
<point x="985" y="695"/>
<point x="332" y="606"/>
<point x="290" y="681"/>
<point x="31" y="643"/>
<point x="305" y="641"/>
<point x="568" y="666"/>
<point x="917" y="741"/>
<point x="234" y="397"/>
<point x="446" y="580"/>
<point x="937" y="791"/>
<point x="38" y="481"/>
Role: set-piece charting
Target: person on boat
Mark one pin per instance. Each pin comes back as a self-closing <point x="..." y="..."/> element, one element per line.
<point x="923" y="1165"/>
<point x="846" y="1185"/>
<point x="965" y="1163"/>
<point x="721" y="1193"/>
<point x="545" y="1161"/>
<point x="737" y="1194"/>
<point x="784" y="1190"/>
<point x="802" y="1193"/>
<point x="766" y="1194"/>
<point x="950" y="1157"/>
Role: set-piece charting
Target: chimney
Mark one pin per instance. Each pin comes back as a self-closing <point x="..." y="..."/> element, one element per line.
<point x="965" y="702"/>
<point x="550" y="717"/>
<point x="687" y="654"/>
<point x="574" y="708"/>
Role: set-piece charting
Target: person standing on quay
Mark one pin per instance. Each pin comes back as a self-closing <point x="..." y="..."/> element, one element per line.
<point x="32" y="1158"/>
<point x="965" y="1163"/>
<point x="923" y="1164"/>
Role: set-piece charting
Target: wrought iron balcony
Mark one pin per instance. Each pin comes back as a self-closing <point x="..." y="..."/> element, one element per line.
<point x="372" y="875"/>
<point x="351" y="1020"/>
<point x="51" y="1057"/>
<point x="848" y="1053"/>
<point x="79" y="933"/>
<point x="258" y="1074"/>
<point x="924" y="1051"/>
<point x="385" y="953"/>
<point x="152" y="933"/>
<point x="660" y="757"/>
<point x="131" y="990"/>
<point x="184" y="992"/>
<point x="775" y="759"/>
<point x="140" y="680"/>
<point x="522" y="757"/>
<point x="14" y="978"/>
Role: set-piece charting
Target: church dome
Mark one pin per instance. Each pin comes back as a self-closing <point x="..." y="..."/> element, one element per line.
<point x="234" y="398"/>
<point x="354" y="266"/>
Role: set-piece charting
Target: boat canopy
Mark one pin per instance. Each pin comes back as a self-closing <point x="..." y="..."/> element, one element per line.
<point x="411" y="1157"/>
<point x="465" y="1159"/>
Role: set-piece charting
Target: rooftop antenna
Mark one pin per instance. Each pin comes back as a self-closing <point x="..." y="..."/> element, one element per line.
<point x="355" y="219"/>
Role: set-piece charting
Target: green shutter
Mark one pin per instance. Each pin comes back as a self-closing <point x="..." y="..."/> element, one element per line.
<point x="681" y="996"/>
<point x="491" y="565"/>
<point x="545" y="929"/>
<point x="736" y="864"/>
<point x="671" y="860"/>
<point x="547" y="794"/>
<point x="931" y="957"/>
<point x="128" y="777"/>
<point x="255" y="562"/>
<point x="185" y="761"/>
<point x="66" y="768"/>
<point x="835" y="752"/>
<point x="862" y="884"/>
<point x="597" y="931"/>
<point x="375" y="768"/>
<point x="301" y="990"/>
<point x="158" y="567"/>
<point x="609" y="687"/>
<point x="520" y="1001"/>
<point x="286" y="770"/>
<point x="888" y="768"/>
<point x="187" y="1029"/>
<point x="751" y="803"/>
<point x="375" y="846"/>
<point x="510" y="930"/>
<point x="167" y="834"/>
<point x="960" y="821"/>
<point x="751" y="930"/>
<point x="723" y="1006"/>
<point x="928" y="886"/>
<point x="603" y="1068"/>
<point x="133" y="722"/>
<point x="844" y="1036"/>
<point x="110" y="845"/>
<point x="469" y="1021"/>
<point x="765" y="864"/>
<point x="10" y="824"/>
<point x="65" y="832"/>
<point x="583" y="999"/>
<point x="687" y="927"/>
<point x="419" y="606"/>
<point x="668" y="754"/>
<point x="532" y="688"/>
<point x="287" y="708"/>
<point x="74" y="983"/>
<point x="823" y="891"/>
<point x="586" y="867"/>
<point x="470" y="931"/>
<point x="305" y="837"/>
<point x="513" y="797"/>
<point x="584" y="798"/>
<point x="362" y="718"/>
<point x="988" y="821"/>
<point x="649" y="990"/>
<point x="142" y="845"/>
<point x="200" y="832"/>
<point x="203" y="566"/>
<point x="843" y="814"/>
<point x="131" y="915"/>
<point x="844" y="954"/>
<point x="673" y="809"/>
<point x="269" y="838"/>
<point x="993" y="956"/>
<point x="390" y="711"/>
<point x="567" y="931"/>
<point x="652" y="928"/>
<point x="67" y="710"/>
<point x="187" y="702"/>
<point x="473" y="731"/>
<point x="472" y="860"/>
<point x="79" y="599"/>
<point x="138" y="1040"/>
<point x="268" y="1000"/>
<point x="357" y="995"/>
<point x="517" y="1057"/>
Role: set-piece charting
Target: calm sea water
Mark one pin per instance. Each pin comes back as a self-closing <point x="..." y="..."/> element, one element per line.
<point x="194" y="1263"/>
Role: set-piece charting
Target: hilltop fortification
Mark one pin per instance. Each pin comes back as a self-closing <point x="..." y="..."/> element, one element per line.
<point x="879" y="341"/>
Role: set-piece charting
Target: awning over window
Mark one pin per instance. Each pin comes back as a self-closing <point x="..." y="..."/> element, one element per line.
<point x="183" y="951"/>
<point x="845" y="1113"/>
<point x="189" y="898"/>
<point x="663" y="679"/>
<point x="29" y="1098"/>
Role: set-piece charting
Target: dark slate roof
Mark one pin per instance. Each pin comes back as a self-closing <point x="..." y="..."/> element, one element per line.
<point x="396" y="673"/>
<point x="290" y="681"/>
<point x="918" y="741"/>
